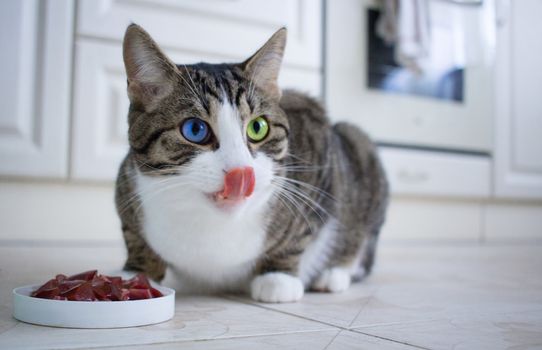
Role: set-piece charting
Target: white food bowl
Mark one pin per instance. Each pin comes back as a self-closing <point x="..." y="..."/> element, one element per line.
<point x="92" y="314"/>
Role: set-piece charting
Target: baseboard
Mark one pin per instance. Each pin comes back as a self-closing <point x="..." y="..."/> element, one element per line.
<point x="54" y="212"/>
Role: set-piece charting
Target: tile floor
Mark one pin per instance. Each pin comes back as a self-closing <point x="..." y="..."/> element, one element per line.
<point x="419" y="296"/>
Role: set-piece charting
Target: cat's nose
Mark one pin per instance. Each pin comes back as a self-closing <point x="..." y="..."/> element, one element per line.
<point x="238" y="183"/>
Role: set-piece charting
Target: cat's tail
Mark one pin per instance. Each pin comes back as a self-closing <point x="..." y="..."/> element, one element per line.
<point x="372" y="196"/>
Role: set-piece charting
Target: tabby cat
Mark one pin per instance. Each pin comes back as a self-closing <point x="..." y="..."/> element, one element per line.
<point x="231" y="184"/>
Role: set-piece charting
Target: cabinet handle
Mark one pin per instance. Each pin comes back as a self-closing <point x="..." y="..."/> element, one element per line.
<point x="412" y="176"/>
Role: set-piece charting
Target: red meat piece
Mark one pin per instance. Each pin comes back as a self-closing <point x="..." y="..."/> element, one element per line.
<point x="67" y="286"/>
<point x="91" y="286"/>
<point x="156" y="293"/>
<point x="47" y="291"/>
<point x="85" y="276"/>
<point x="139" y="281"/>
<point x="137" y="294"/>
<point x="82" y="293"/>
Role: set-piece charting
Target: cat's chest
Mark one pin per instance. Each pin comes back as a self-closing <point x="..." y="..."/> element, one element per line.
<point x="196" y="238"/>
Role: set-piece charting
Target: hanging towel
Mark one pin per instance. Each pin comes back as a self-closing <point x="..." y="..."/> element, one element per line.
<point x="406" y="24"/>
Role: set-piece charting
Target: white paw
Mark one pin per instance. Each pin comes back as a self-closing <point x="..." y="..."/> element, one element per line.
<point x="276" y="287"/>
<point x="333" y="280"/>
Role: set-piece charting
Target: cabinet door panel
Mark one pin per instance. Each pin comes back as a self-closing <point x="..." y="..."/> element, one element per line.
<point x="34" y="94"/>
<point x="526" y="107"/>
<point x="518" y="152"/>
<point x="233" y="29"/>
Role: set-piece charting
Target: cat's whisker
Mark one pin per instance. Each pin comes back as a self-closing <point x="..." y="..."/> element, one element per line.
<point x="129" y="178"/>
<point x="146" y="165"/>
<point x="194" y="87"/>
<point x="171" y="187"/>
<point x="189" y="85"/>
<point x="287" y="196"/>
<point x="299" y="169"/>
<point x="167" y="167"/>
<point x="302" y="160"/>
<point x="126" y="204"/>
<point x="188" y="179"/>
<point x="312" y="203"/>
<point x="307" y="198"/>
<point x="302" y="197"/>
<point x="158" y="190"/>
<point x="138" y="194"/>
<point x="307" y="186"/>
<point x="276" y="194"/>
<point x="281" y="193"/>
<point x="297" y="164"/>
<point x="252" y="85"/>
<point x="178" y="168"/>
<point x="197" y="178"/>
<point x="309" y="203"/>
<point x="284" y="201"/>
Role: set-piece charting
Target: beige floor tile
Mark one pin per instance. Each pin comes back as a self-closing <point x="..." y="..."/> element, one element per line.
<point x="353" y="340"/>
<point x="6" y="321"/>
<point x="420" y="283"/>
<point x="329" y="340"/>
<point x="196" y="318"/>
<point x="337" y="309"/>
<point x="436" y="297"/>
<point x="519" y="331"/>
<point x="26" y="265"/>
<point x="293" y="341"/>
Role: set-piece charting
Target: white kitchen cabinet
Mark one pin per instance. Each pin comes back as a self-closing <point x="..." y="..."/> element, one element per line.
<point x="100" y="111"/>
<point x="189" y="32"/>
<point x="518" y="112"/>
<point x="36" y="48"/>
<point x="225" y="28"/>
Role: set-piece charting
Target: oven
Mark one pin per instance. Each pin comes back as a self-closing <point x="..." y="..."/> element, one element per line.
<point x="443" y="104"/>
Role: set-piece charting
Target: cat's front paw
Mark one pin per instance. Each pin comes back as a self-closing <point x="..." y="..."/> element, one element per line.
<point x="277" y="287"/>
<point x="332" y="280"/>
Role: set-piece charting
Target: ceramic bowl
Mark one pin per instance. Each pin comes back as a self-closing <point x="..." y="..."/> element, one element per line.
<point x="92" y="314"/>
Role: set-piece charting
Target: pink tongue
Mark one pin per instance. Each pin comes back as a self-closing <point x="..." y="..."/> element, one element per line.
<point x="238" y="183"/>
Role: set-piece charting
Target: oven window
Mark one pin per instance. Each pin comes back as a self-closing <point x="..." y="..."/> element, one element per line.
<point x="442" y="73"/>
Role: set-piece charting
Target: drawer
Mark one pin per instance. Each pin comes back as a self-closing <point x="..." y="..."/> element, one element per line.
<point x="413" y="172"/>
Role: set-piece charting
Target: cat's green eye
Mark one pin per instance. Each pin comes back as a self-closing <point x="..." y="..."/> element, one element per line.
<point x="257" y="129"/>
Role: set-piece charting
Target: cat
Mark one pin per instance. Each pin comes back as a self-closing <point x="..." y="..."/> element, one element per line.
<point x="231" y="184"/>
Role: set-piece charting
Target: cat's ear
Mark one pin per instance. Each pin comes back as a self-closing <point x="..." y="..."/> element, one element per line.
<point x="151" y="74"/>
<point x="263" y="67"/>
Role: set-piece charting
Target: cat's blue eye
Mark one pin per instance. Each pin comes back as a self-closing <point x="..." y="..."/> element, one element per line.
<point x="196" y="130"/>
